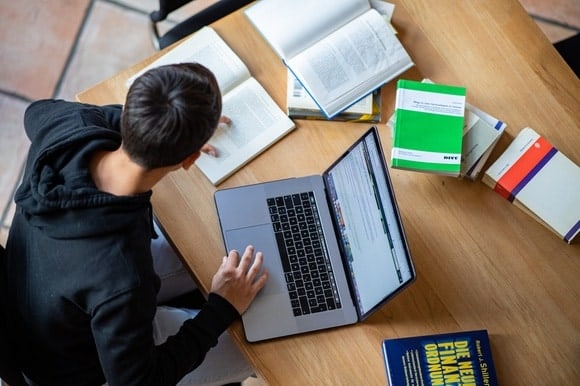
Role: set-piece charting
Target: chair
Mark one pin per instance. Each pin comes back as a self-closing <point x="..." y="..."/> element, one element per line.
<point x="9" y="369"/>
<point x="569" y="49"/>
<point x="202" y="18"/>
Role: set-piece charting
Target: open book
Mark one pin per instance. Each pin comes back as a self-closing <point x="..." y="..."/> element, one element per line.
<point x="257" y="121"/>
<point x="299" y="105"/>
<point x="340" y="50"/>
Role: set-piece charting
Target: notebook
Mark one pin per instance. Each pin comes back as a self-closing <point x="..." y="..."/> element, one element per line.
<point x="334" y="244"/>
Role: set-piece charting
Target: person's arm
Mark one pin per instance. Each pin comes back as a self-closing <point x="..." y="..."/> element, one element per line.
<point x="123" y="328"/>
<point x="123" y="334"/>
<point x="198" y="335"/>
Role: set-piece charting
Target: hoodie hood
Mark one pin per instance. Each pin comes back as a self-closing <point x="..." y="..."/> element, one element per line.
<point x="58" y="193"/>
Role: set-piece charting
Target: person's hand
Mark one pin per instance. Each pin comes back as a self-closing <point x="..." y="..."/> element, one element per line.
<point x="209" y="149"/>
<point x="239" y="280"/>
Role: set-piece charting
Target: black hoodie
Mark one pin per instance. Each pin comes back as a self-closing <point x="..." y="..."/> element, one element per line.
<point x="81" y="286"/>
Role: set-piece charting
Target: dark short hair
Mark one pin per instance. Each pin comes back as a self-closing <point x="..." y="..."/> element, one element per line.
<point x="170" y="112"/>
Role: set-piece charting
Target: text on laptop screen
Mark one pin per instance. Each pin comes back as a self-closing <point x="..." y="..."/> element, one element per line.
<point x="370" y="235"/>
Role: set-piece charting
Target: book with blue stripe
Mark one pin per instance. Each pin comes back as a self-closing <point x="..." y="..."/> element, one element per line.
<point x="535" y="176"/>
<point x="481" y="133"/>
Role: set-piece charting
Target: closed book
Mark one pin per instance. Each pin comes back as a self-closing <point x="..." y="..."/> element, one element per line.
<point x="481" y="133"/>
<point x="428" y="127"/>
<point x="538" y="178"/>
<point x="456" y="358"/>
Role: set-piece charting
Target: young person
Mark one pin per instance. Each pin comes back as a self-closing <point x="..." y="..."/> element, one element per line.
<point x="80" y="280"/>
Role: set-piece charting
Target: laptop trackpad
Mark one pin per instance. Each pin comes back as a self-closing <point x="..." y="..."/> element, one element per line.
<point x="263" y="239"/>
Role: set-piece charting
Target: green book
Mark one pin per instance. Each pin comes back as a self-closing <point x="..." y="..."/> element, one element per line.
<point x="428" y="128"/>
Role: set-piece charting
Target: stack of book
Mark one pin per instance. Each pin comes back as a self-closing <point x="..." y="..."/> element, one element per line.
<point x="300" y="105"/>
<point x="535" y="176"/>
<point x="440" y="132"/>
<point x="339" y="50"/>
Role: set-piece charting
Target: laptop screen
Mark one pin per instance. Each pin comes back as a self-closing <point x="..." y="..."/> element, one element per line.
<point x="368" y="223"/>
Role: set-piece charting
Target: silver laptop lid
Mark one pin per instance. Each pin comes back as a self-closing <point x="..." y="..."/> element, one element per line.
<point x="368" y="224"/>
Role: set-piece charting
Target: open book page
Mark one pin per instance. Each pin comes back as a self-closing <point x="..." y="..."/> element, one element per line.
<point x="350" y="62"/>
<point x="292" y="26"/>
<point x="257" y="122"/>
<point x="384" y="8"/>
<point x="209" y="49"/>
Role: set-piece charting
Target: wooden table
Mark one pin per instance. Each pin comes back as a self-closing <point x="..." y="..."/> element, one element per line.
<point x="481" y="261"/>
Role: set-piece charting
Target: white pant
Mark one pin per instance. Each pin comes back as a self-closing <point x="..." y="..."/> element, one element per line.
<point x="223" y="363"/>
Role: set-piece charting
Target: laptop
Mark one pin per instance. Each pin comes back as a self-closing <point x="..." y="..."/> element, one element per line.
<point x="334" y="244"/>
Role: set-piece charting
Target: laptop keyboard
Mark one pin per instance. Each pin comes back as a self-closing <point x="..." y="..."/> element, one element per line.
<point x="309" y="277"/>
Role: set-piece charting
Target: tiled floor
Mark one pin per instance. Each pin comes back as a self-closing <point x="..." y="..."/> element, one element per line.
<point x="58" y="48"/>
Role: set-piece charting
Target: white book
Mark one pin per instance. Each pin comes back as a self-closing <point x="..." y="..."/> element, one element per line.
<point x="298" y="98"/>
<point x="340" y="50"/>
<point x="480" y="135"/>
<point x="538" y="178"/>
<point x="257" y="121"/>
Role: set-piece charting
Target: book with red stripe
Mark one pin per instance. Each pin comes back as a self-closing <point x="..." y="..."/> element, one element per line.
<point x="540" y="179"/>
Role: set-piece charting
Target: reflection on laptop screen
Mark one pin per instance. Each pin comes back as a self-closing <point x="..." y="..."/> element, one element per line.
<point x="369" y="232"/>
